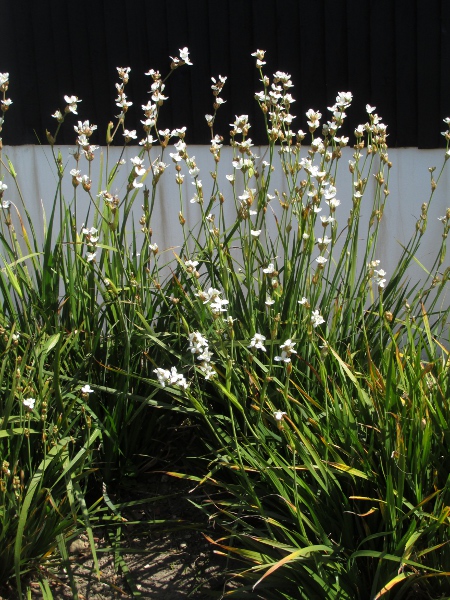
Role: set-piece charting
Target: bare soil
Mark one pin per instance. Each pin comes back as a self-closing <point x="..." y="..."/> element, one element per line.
<point x="169" y="560"/>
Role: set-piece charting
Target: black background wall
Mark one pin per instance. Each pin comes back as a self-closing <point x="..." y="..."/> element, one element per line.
<point x="394" y="54"/>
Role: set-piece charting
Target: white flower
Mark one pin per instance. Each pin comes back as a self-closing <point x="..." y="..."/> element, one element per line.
<point x="255" y="233"/>
<point x="269" y="269"/>
<point x="170" y="377"/>
<point x="197" y="342"/>
<point x="257" y="342"/>
<point x="313" y="118"/>
<point x="153" y="248"/>
<point x="379" y="277"/>
<point x="218" y="305"/>
<point x="321" y="260"/>
<point x="178" y="379"/>
<point x="190" y="265"/>
<point x="89" y="232"/>
<point x="316" y="318"/>
<point x="287" y="349"/>
<point x="71" y="104"/>
<point x="29" y="403"/>
<point x="86" y="389"/>
<point x="90" y="256"/>
<point x="180" y="132"/>
<point x="71" y="99"/>
<point x="129" y="135"/>
<point x="278" y="414"/>
<point x="6" y="204"/>
<point x="288" y="346"/>
<point x="269" y="301"/>
<point x="207" y="370"/>
<point x="84" y="128"/>
<point x="344" y="98"/>
<point x="370" y="109"/>
<point x="148" y="142"/>
<point x="123" y="73"/>
<point x="324" y="241"/>
<point x="205" y="356"/>
<point x="184" y="55"/>
<point x="284" y="357"/>
<point x="58" y="116"/>
<point x="303" y="301"/>
<point x="333" y="203"/>
<point x="163" y="376"/>
<point x="259" y="54"/>
<point x="138" y="165"/>
<point x="122" y="102"/>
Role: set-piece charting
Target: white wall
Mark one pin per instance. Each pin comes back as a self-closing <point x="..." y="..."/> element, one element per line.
<point x="409" y="187"/>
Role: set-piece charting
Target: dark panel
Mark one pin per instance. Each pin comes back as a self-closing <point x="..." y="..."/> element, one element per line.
<point x="406" y="73"/>
<point x="382" y="62"/>
<point x="428" y="69"/>
<point x="390" y="54"/>
<point x="359" y="58"/>
<point x="444" y="78"/>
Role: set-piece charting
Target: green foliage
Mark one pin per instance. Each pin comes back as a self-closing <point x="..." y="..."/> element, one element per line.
<point x="318" y="382"/>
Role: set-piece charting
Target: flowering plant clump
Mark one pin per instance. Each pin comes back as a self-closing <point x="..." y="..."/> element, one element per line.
<point x="316" y="382"/>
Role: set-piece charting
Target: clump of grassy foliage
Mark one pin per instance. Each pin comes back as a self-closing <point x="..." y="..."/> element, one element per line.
<point x="319" y="382"/>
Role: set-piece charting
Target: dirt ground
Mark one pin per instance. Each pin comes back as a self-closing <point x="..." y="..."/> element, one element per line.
<point x="166" y="561"/>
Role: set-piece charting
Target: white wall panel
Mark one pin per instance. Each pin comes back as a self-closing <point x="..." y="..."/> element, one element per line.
<point x="409" y="187"/>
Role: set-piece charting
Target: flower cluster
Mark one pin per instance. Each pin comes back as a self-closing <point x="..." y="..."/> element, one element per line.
<point x="276" y="101"/>
<point x="199" y="346"/>
<point x="166" y="377"/>
<point x="376" y="130"/>
<point x="183" y="60"/>
<point x="121" y="100"/>
<point x="91" y="236"/>
<point x="151" y="109"/>
<point x="212" y="297"/>
<point x="217" y="87"/>
<point x="378" y="276"/>
<point x="138" y="171"/>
